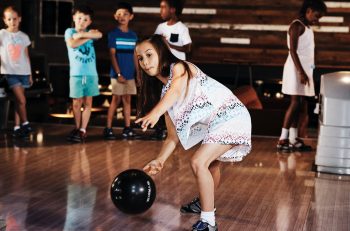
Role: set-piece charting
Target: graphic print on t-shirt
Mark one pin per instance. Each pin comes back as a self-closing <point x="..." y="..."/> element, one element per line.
<point x="14" y="51"/>
<point x="14" y="48"/>
<point x="84" y="55"/>
<point x="84" y="50"/>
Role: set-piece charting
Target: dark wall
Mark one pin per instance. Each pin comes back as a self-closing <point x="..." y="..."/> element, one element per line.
<point x="267" y="47"/>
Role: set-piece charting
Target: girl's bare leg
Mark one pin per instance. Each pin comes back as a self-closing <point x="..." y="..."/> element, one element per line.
<point x="200" y="162"/>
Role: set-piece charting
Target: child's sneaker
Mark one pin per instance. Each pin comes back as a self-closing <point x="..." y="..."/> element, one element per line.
<point x="193" y="207"/>
<point x="159" y="134"/>
<point x="128" y="132"/>
<point x="108" y="134"/>
<point x="284" y="145"/>
<point x="82" y="136"/>
<point x="19" y="133"/>
<point x="73" y="135"/>
<point x="201" y="225"/>
<point x="27" y="129"/>
<point x="299" y="145"/>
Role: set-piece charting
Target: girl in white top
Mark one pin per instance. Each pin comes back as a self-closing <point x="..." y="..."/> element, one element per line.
<point x="197" y="108"/>
<point x="298" y="71"/>
<point x="15" y="66"/>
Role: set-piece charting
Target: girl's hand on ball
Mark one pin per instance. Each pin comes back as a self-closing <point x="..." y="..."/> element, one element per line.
<point x="153" y="167"/>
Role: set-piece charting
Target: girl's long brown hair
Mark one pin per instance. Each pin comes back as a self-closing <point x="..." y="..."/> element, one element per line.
<point x="150" y="86"/>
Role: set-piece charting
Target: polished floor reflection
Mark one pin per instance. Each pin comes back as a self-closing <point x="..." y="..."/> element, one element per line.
<point x="49" y="184"/>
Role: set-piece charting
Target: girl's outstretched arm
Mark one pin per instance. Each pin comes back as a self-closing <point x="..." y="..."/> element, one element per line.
<point x="168" y="147"/>
<point x="178" y="85"/>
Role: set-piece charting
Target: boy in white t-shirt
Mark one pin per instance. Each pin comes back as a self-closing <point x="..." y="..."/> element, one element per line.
<point x="179" y="41"/>
<point x="175" y="32"/>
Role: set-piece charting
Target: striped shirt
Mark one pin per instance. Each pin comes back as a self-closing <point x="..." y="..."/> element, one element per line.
<point x="124" y="44"/>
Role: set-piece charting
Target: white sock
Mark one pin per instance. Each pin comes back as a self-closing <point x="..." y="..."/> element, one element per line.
<point x="293" y="133"/>
<point x="284" y="134"/>
<point x="208" y="217"/>
<point x="16" y="127"/>
<point x="25" y="123"/>
<point x="82" y="129"/>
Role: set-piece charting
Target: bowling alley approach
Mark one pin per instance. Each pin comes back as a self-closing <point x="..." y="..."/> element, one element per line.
<point x="174" y="115"/>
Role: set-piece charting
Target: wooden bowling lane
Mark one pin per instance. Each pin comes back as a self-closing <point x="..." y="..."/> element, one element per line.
<point x="49" y="184"/>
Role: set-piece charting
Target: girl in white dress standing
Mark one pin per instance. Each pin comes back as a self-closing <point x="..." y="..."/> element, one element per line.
<point x="298" y="72"/>
<point x="197" y="108"/>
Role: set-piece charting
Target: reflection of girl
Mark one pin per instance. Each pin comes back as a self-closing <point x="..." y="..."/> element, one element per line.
<point x="14" y="206"/>
<point x="81" y="195"/>
<point x="197" y="108"/>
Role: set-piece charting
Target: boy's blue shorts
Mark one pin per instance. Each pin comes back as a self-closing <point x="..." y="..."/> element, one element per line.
<point x="80" y="86"/>
<point x="18" y="80"/>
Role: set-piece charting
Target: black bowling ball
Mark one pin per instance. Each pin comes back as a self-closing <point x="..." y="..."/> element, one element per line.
<point x="133" y="191"/>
